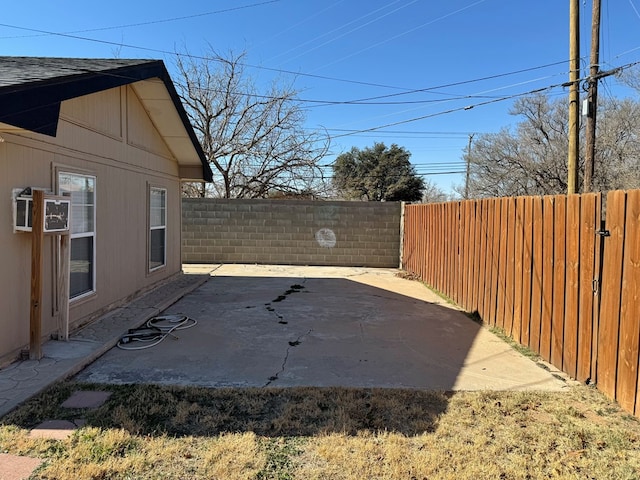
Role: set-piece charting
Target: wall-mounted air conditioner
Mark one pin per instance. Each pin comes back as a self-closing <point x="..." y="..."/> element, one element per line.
<point x="56" y="212"/>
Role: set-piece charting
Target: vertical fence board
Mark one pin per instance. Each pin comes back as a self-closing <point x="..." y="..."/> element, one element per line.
<point x="454" y="225"/>
<point x="446" y="247"/>
<point x="448" y="238"/>
<point x="571" y="313"/>
<point x="458" y="228"/>
<point x="482" y="256"/>
<point x="627" y="383"/>
<point x="472" y="255"/>
<point x="461" y="252"/>
<point x="446" y="284"/>
<point x="424" y="235"/>
<point x="559" y="252"/>
<point x="473" y="245"/>
<point x="429" y="251"/>
<point x="519" y="249"/>
<point x="510" y="274"/>
<point x="434" y="246"/>
<point x="420" y="230"/>
<point x="611" y="290"/>
<point x="503" y="228"/>
<point x="484" y="235"/>
<point x="536" y="276"/>
<point x="476" y="257"/>
<point x="599" y="256"/>
<point x="495" y="264"/>
<point x="488" y="272"/>
<point x="442" y="256"/>
<point x="431" y="243"/>
<point x="548" y="277"/>
<point x="407" y="241"/>
<point x="427" y="243"/>
<point x="464" y="266"/>
<point x="527" y="272"/>
<point x="441" y="270"/>
<point x="588" y="222"/>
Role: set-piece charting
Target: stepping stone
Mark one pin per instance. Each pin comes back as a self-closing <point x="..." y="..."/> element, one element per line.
<point x="14" y="467"/>
<point x="86" y="399"/>
<point x="53" y="430"/>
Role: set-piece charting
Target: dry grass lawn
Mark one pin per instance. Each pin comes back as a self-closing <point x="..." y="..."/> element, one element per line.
<point x="148" y="432"/>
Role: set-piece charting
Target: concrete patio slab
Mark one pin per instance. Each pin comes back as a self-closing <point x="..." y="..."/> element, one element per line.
<point x="86" y="399"/>
<point x="323" y="326"/>
<point x="54" y="430"/>
<point x="24" y="378"/>
<point x="16" y="467"/>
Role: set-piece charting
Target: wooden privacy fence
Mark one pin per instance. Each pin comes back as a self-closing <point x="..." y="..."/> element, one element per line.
<point x="545" y="271"/>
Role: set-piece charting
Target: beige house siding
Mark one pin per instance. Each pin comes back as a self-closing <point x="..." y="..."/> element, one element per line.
<point x="110" y="136"/>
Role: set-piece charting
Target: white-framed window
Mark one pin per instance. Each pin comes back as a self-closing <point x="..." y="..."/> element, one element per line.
<point x="157" y="228"/>
<point x="82" y="271"/>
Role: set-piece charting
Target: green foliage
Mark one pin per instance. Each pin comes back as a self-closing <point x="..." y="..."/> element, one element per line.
<point x="377" y="173"/>
<point x="280" y="453"/>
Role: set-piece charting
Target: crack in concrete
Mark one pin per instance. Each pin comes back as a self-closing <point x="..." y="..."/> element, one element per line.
<point x="292" y="344"/>
<point x="295" y="288"/>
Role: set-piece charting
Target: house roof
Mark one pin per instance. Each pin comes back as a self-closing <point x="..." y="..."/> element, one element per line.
<point x="32" y="89"/>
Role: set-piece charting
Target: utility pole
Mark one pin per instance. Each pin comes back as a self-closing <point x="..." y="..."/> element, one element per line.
<point x="466" y="182"/>
<point x="574" y="105"/>
<point x="592" y="98"/>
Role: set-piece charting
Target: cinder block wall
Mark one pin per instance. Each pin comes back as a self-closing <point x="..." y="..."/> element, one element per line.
<point x="291" y="232"/>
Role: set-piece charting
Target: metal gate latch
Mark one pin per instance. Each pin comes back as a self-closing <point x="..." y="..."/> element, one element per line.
<point x="603" y="233"/>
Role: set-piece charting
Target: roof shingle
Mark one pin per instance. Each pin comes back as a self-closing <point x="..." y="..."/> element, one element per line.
<point x="32" y="89"/>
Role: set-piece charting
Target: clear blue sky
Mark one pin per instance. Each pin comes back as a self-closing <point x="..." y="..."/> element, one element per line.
<point x="461" y="53"/>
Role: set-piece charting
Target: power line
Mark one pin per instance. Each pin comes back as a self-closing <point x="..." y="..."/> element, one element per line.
<point x="401" y="122"/>
<point x="258" y="67"/>
<point x="480" y="95"/>
<point x="200" y="57"/>
<point x="337" y="37"/>
<point x="417" y="132"/>
<point x="301" y="22"/>
<point x="469" y="107"/>
<point x="369" y="47"/>
<point x="326" y="103"/>
<point x="153" y="22"/>
<point x="464" y="82"/>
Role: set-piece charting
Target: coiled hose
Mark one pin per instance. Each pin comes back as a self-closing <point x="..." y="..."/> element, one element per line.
<point x="154" y="331"/>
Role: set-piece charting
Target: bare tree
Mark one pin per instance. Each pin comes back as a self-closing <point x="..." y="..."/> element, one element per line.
<point x="433" y="193"/>
<point x="532" y="158"/>
<point x="631" y="77"/>
<point x="617" y="163"/>
<point x="255" y="141"/>
<point x="529" y="161"/>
